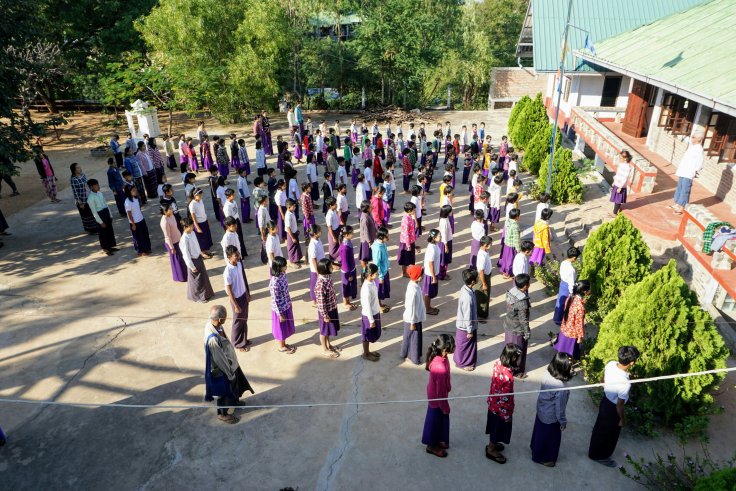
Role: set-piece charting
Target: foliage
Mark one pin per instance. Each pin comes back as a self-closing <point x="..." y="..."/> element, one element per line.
<point x="548" y="273"/>
<point x="701" y="473"/>
<point x="531" y="119"/>
<point x="538" y="149"/>
<point x="566" y="186"/>
<point x="662" y="317"/>
<point x="515" y="113"/>
<point x="615" y="256"/>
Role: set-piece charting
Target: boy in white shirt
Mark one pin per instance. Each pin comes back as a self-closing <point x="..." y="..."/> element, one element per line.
<point x="484" y="266"/>
<point x="342" y="175"/>
<point x="260" y="159"/>
<point x="230" y="238"/>
<point x="521" y="260"/>
<point x="273" y="242"/>
<point x="244" y="192"/>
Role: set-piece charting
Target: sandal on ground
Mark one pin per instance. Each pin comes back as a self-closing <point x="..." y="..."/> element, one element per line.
<point x="500" y="447"/>
<point x="369" y="357"/>
<point x="438" y="453"/>
<point x="468" y="369"/>
<point x="385" y="309"/>
<point x="289" y="350"/>
<point x="444" y="445"/>
<point x="433" y="311"/>
<point x="244" y="350"/>
<point x="496" y="458"/>
<point x="548" y="464"/>
<point x="336" y="349"/>
<point x="331" y="354"/>
<point x="229" y="418"/>
<point x="376" y="354"/>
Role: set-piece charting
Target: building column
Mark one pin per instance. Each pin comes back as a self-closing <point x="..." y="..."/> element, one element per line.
<point x="653" y="133"/>
<point x="702" y="116"/>
<point x="600" y="164"/>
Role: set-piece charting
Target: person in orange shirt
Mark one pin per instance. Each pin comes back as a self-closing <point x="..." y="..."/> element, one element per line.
<point x="572" y="329"/>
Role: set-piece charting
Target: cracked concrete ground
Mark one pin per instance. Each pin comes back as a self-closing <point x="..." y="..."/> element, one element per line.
<point x="81" y="327"/>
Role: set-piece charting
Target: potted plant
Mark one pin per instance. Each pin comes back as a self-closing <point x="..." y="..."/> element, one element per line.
<point x="102" y="149"/>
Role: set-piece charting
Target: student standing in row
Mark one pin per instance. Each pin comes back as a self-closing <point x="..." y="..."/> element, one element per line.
<point x="572" y="329"/>
<point x="431" y="269"/>
<point x="199" y="288"/>
<point x="370" y="312"/>
<point x="466" y="354"/>
<point x="315" y="253"/>
<point x="516" y="322"/>
<point x="138" y="227"/>
<point x="551" y="419"/>
<point x="236" y="288"/>
<point x="501" y="407"/>
<point x="293" y="248"/>
<point x="172" y="237"/>
<point x="483" y="265"/>
<point x="282" y="314"/>
<point x="326" y="300"/>
<point x="98" y="206"/>
<point x="379" y="252"/>
<point x="568" y="276"/>
<point x="415" y="314"/>
<point x="436" y="434"/>
<point x="201" y="225"/>
<point x="115" y="182"/>
<point x="347" y="266"/>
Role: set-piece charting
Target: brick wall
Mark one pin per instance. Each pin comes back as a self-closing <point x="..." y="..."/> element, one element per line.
<point x="716" y="177"/>
<point x="516" y="82"/>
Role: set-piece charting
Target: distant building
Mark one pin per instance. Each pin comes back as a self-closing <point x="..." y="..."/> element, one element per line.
<point x="326" y="25"/>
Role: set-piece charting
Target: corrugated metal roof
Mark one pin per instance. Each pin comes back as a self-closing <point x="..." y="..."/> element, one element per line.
<point x="327" y="19"/>
<point x="601" y="18"/>
<point x="691" y="50"/>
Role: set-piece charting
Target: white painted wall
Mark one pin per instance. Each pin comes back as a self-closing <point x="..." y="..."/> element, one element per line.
<point x="589" y="90"/>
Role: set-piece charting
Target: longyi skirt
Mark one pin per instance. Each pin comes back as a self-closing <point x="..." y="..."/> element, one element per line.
<point x="370" y="334"/>
<point x="407" y="256"/>
<point x="281" y="330"/>
<point x="436" y="427"/>
<point x="546" y="439"/>
<point x="497" y="429"/>
<point x="329" y="328"/>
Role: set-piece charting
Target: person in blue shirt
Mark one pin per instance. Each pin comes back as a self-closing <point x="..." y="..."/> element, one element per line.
<point x="299" y="118"/>
<point x="116" y="151"/>
<point x="115" y="181"/>
<point x="379" y="252"/>
<point x="131" y="165"/>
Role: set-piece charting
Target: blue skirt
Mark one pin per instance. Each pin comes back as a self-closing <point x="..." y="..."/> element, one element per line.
<point x="546" y="439"/>
<point x="562" y="295"/>
<point x="436" y="427"/>
<point x="498" y="430"/>
<point x="384" y="289"/>
<point x="349" y="284"/>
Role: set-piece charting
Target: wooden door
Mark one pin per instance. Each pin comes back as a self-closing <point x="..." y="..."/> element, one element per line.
<point x="636" y="110"/>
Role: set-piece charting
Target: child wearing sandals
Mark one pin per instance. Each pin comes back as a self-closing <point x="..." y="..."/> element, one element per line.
<point x="370" y="312"/>
<point x="436" y="434"/>
<point x="432" y="257"/>
<point x="326" y="300"/>
<point x="501" y="408"/>
<point x="282" y="315"/>
<point x="347" y="266"/>
<point x="379" y="254"/>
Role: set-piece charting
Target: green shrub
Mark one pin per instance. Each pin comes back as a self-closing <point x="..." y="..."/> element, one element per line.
<point x="662" y="317"/>
<point x="530" y="120"/>
<point x="517" y="109"/>
<point x="566" y="185"/>
<point x="548" y="273"/>
<point x="538" y="149"/>
<point x="722" y="480"/>
<point x="615" y="256"/>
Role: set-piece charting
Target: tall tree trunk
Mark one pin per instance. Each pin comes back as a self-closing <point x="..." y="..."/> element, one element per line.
<point x="383" y="85"/>
<point x="171" y="120"/>
<point x="47" y="96"/>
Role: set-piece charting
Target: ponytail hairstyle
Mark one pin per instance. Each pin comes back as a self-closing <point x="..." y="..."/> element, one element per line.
<point x="432" y="236"/>
<point x="573" y="253"/>
<point x="341" y="187"/>
<point x="510" y="355"/>
<point x="370" y="269"/>
<point x="163" y="208"/>
<point x="443" y="344"/>
<point x="409" y="207"/>
<point x="278" y="265"/>
<point x="344" y="232"/>
<point x="479" y="215"/>
<point x="580" y="288"/>
<point x="445" y="211"/>
<point x="544" y="198"/>
<point x="365" y="207"/>
<point x="546" y="213"/>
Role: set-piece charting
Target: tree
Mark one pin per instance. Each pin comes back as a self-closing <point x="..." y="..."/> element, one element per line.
<point x="615" y="256"/>
<point x="515" y="113"/>
<point x="566" y="186"/>
<point x="662" y="317"/>
<point x="537" y="152"/>
<point x="530" y="120"/>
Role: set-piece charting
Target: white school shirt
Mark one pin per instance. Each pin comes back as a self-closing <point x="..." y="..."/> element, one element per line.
<point x="311" y="172"/>
<point x="188" y="191"/>
<point x="464" y="137"/>
<point x="360" y="194"/>
<point x="476" y="230"/>
<point x="368" y="173"/>
<point x="272" y="246"/>
<point x="416" y="201"/>
<point x="392" y="180"/>
<point x="356" y="161"/>
<point x="196" y="208"/>
<point x="280" y="197"/>
<point x="160" y="191"/>
<point x="189" y="247"/>
<point x="315" y="250"/>
<point x="353" y="129"/>
<point x="331" y="219"/>
<point x="231" y="209"/>
<point x="567" y="273"/>
<point x="374" y="129"/>
<point x="369" y="305"/>
<point x="229" y="239"/>
<point x="134" y="207"/>
<point x="262" y="216"/>
<point x="538" y="214"/>
<point x="260" y="159"/>
<point x="290" y="222"/>
<point x="220" y="193"/>
<point x="293" y="191"/>
<point x="414" y="309"/>
<point x="233" y="276"/>
<point x="445" y="230"/>
<point x="410" y="134"/>
<point x="445" y="200"/>
<point x="514" y="166"/>
<point x="521" y="264"/>
<point x="483" y="261"/>
<point x="342" y="203"/>
<point x="320" y="143"/>
<point x="623" y="170"/>
<point x="243" y="188"/>
<point x="509" y="207"/>
<point x="474" y="181"/>
<point x="482" y="206"/>
<point x="616" y="384"/>
<point x="291" y="118"/>
<point x="432" y="256"/>
<point x="342" y="175"/>
<point x="494" y="200"/>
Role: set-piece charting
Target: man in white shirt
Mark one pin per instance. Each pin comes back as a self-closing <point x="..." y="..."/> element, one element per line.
<point x="236" y="287"/>
<point x="610" y="418"/>
<point x="690" y="165"/>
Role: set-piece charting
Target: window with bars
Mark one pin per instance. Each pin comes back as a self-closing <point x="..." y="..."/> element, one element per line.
<point x="677" y="115"/>
<point x="720" y="137"/>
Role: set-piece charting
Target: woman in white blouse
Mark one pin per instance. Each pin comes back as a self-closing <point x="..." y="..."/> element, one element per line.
<point x="621" y="181"/>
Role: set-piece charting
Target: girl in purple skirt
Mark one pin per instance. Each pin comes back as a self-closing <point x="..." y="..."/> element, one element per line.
<point x="447" y="199"/>
<point x="621" y="181"/>
<point x="551" y="420"/>
<point x="431" y="269"/>
<point x="205" y="152"/>
<point x="511" y="244"/>
<point x="244" y="192"/>
<point x="368" y="232"/>
<point x="436" y="434"/>
<point x="347" y="266"/>
<point x="541" y="238"/>
<point x="293" y="248"/>
<point x="280" y="199"/>
<point x="315" y="253"/>
<point x="445" y="241"/>
<point x="370" y="312"/>
<point x="572" y="329"/>
<point x="501" y="407"/>
<point x="326" y="300"/>
<point x="282" y="315"/>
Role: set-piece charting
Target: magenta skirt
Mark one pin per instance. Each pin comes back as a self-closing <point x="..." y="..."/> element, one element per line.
<point x="281" y="330"/>
<point x="312" y="284"/>
<point x="506" y="260"/>
<point x="494" y="215"/>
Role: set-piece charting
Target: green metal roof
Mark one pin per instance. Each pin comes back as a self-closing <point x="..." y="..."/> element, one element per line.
<point x="601" y="18"/>
<point x="690" y="53"/>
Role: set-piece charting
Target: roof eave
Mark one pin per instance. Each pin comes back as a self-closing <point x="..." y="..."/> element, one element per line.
<point x="673" y="88"/>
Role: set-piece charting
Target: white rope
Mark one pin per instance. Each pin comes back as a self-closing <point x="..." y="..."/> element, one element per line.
<point x="365" y="403"/>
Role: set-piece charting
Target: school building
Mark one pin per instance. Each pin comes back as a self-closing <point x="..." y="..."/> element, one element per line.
<point x="642" y="76"/>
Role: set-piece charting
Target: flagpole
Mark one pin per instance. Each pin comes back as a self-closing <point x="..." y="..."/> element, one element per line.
<point x="563" y="56"/>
